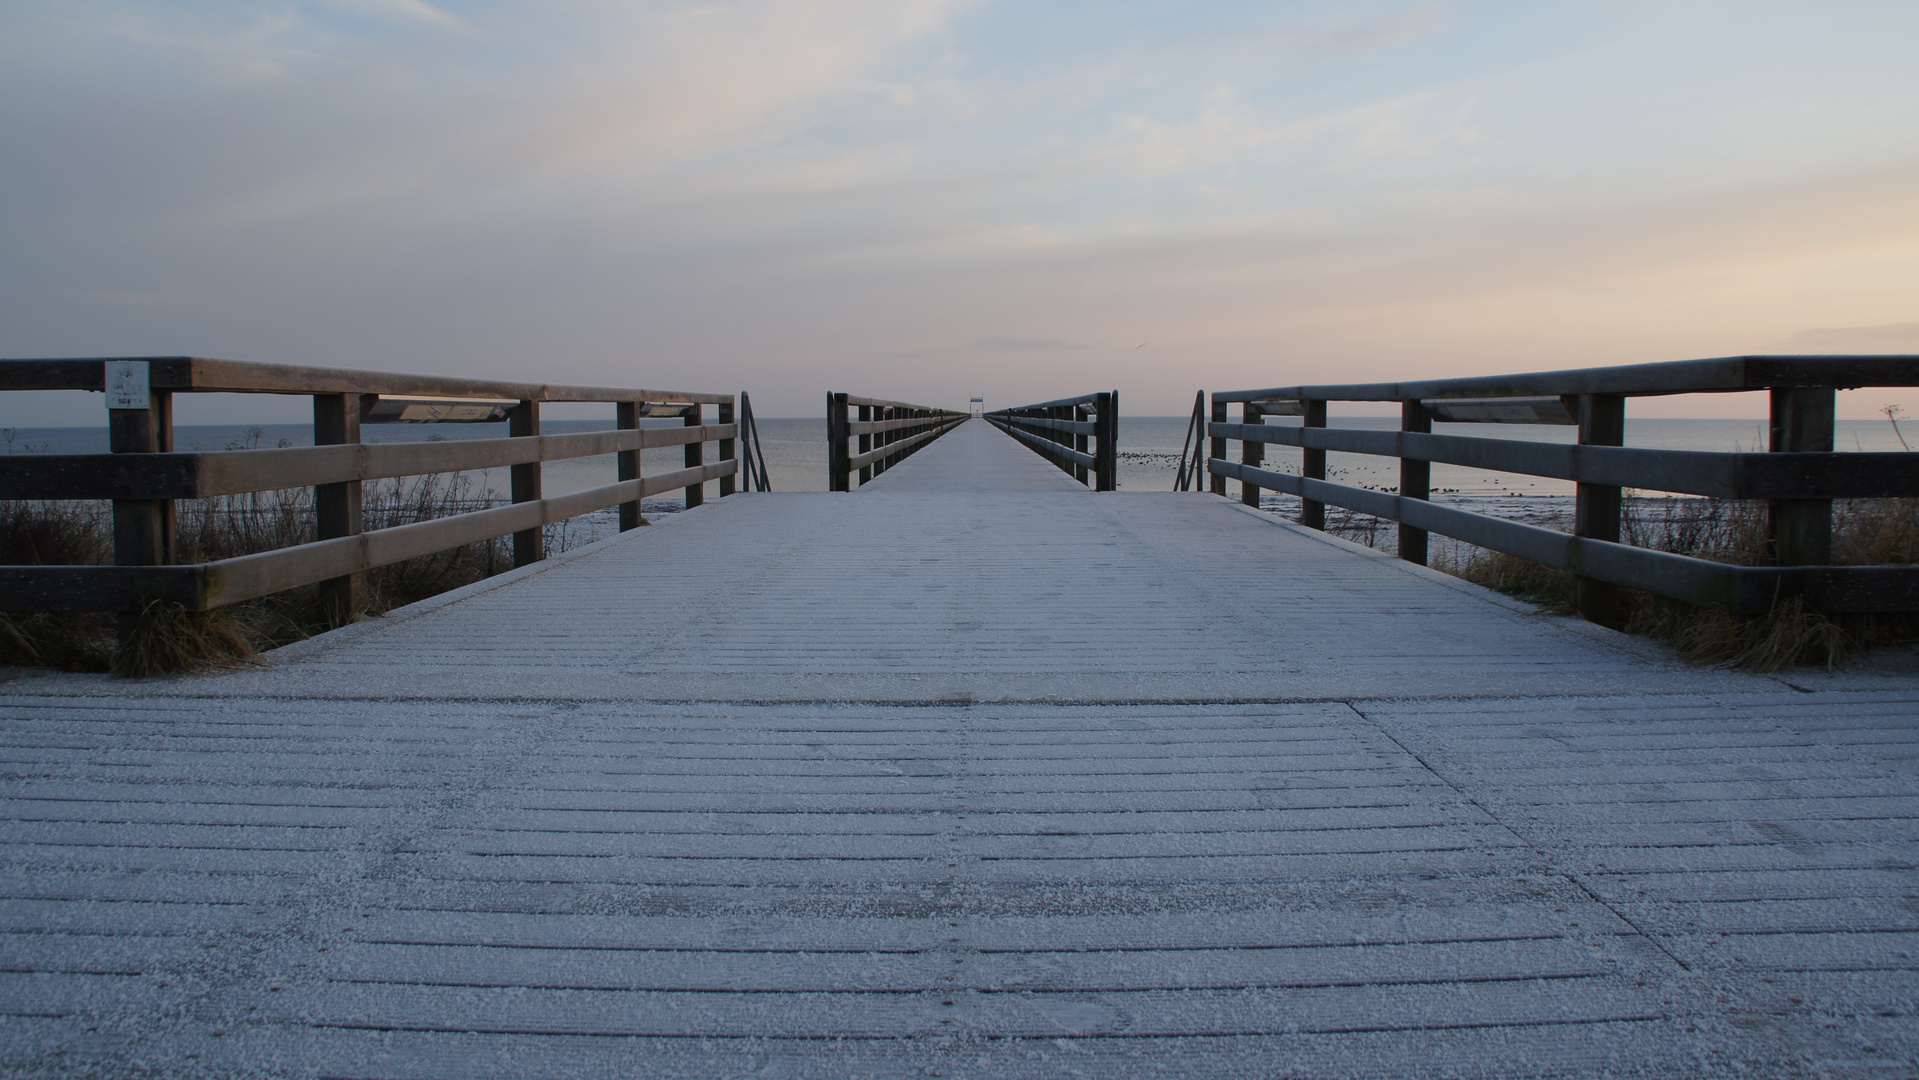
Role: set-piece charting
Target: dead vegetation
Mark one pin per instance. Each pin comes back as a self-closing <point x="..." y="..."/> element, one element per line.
<point x="1866" y="532"/>
<point x="167" y="637"/>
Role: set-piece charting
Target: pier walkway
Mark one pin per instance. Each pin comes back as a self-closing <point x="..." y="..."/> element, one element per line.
<point x="972" y="772"/>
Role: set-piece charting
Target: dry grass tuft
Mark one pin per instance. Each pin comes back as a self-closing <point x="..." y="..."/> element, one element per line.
<point x="54" y="534"/>
<point x="1509" y="574"/>
<point x="167" y="638"/>
<point x="1787" y="636"/>
<point x="61" y="640"/>
<point x="1875" y="532"/>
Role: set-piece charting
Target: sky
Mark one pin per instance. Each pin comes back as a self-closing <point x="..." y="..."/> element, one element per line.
<point x="930" y="199"/>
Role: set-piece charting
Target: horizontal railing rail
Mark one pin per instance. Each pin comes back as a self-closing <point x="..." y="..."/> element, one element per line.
<point x="1726" y="374"/>
<point x="201" y="375"/>
<point x="1799" y="474"/>
<point x="143" y="476"/>
<point x="1078" y="434"/>
<point x="880" y="436"/>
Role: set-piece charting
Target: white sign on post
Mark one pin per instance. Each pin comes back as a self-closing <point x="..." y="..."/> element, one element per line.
<point x="127" y="384"/>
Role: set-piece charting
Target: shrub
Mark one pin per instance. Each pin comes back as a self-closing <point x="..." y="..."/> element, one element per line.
<point x="167" y="637"/>
<point x="1871" y="532"/>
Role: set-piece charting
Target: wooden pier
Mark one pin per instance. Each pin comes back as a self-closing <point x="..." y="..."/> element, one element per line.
<point x="971" y="772"/>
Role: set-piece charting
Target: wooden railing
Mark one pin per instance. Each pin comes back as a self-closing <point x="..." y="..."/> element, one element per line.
<point x="1080" y="435"/>
<point x="143" y="475"/>
<point x="1192" y="449"/>
<point x="884" y="433"/>
<point x="1800" y="476"/>
<point x="752" y="452"/>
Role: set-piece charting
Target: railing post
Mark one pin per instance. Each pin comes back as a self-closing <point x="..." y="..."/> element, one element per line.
<point x="1596" y="507"/>
<point x="1217" y="480"/>
<point x="528" y="544"/>
<point x="1415" y="480"/>
<point x="1802" y="422"/>
<point x="143" y="529"/>
<point x="727" y="485"/>
<point x="626" y="417"/>
<point x="866" y="444"/>
<point x="1107" y="451"/>
<point x="1312" y="466"/>
<point x="338" y="509"/>
<point x="1081" y="442"/>
<point x="839" y="457"/>
<point x="695" y="456"/>
<point x="1250" y="453"/>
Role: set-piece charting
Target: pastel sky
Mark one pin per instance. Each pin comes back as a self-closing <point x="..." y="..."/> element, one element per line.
<point x="926" y="199"/>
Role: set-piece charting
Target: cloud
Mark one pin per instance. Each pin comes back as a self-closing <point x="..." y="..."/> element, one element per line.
<point x="898" y="195"/>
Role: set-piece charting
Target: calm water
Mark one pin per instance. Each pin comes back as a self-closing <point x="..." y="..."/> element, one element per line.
<point x="1149" y="449"/>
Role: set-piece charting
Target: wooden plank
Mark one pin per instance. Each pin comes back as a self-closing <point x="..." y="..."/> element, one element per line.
<point x="1596" y="510"/>
<point x="862" y="449"/>
<point x="860" y="461"/>
<point x="96" y="588"/>
<point x="1312" y="512"/>
<point x="727" y="448"/>
<point x="1070" y="427"/>
<point x="1107" y="450"/>
<point x="1085" y="444"/>
<point x="1716" y="375"/>
<point x="882" y="403"/>
<point x="143" y="529"/>
<point x="187" y="373"/>
<point x="56" y="374"/>
<point x="1053" y="450"/>
<point x="1058" y="403"/>
<point x="100" y="476"/>
<point x="1834" y="588"/>
<point x="245" y="577"/>
<point x="336" y="420"/>
<point x="529" y="545"/>
<point x="1801" y="529"/>
<point x="1721" y="475"/>
<point x="839" y="451"/>
<point x="627" y="418"/>
<point x="695" y="453"/>
<point x="1252" y="452"/>
<point x="1217" y="481"/>
<point x="1696" y="581"/>
<point x="1415" y="480"/>
<point x="875" y="427"/>
<point x="230" y="472"/>
<point x="1545" y="410"/>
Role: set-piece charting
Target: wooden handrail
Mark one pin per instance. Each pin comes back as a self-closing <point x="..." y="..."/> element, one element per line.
<point x="1078" y="434"/>
<point x="193" y="374"/>
<point x="883" y="434"/>
<point x="1719" y="375"/>
<point x="212" y="473"/>
<point x="143" y="476"/>
<point x="1800" y="473"/>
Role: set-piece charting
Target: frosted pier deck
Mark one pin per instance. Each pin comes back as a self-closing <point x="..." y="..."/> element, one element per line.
<point x="973" y="772"/>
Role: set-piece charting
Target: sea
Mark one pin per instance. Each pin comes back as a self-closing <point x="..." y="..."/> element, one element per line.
<point x="1150" y="449"/>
